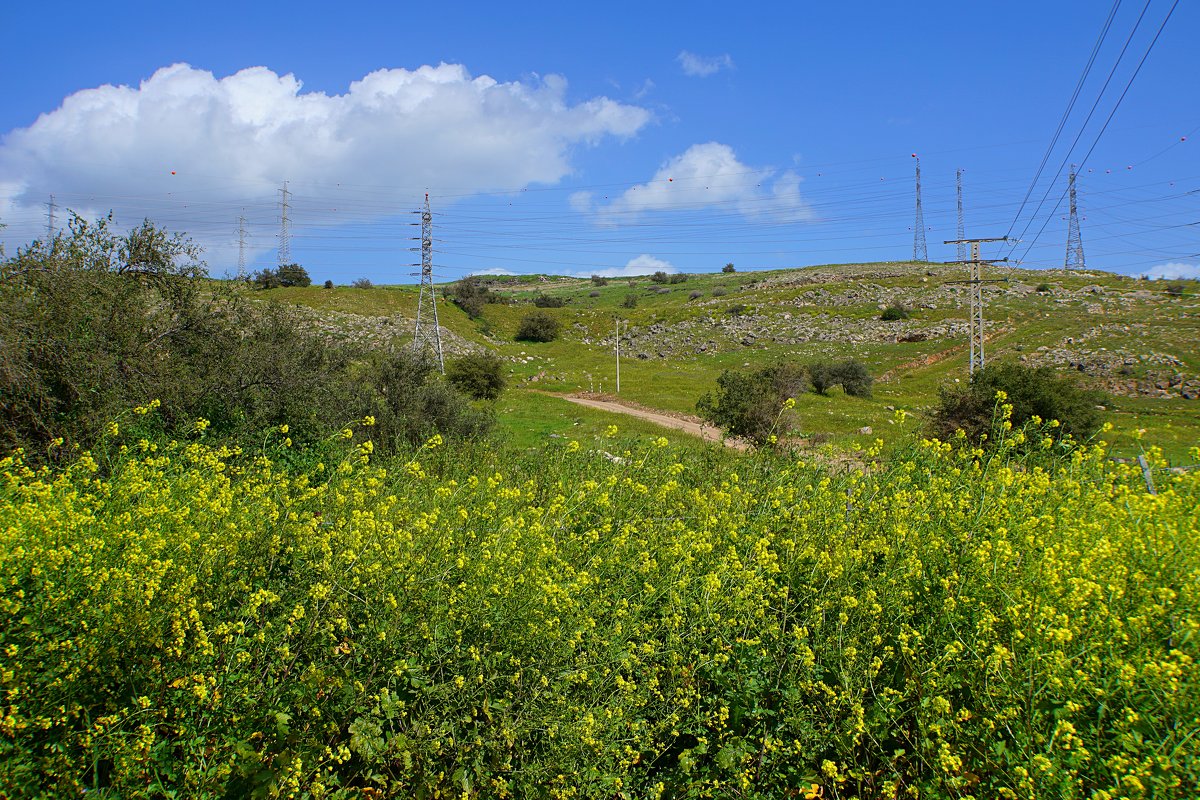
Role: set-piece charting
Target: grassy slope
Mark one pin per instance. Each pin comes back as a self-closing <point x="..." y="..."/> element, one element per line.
<point x="1023" y="323"/>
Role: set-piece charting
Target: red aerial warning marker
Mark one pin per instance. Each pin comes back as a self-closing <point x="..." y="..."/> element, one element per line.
<point x="914" y="155"/>
<point x="670" y="179"/>
<point x="172" y="172"/>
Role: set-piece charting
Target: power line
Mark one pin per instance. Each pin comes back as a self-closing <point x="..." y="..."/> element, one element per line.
<point x="1112" y="113"/>
<point x="1066" y="114"/>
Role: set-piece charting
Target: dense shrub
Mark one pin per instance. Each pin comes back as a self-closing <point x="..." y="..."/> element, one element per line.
<point x="471" y="294"/>
<point x="479" y="375"/>
<point x="538" y="326"/>
<point x="678" y="277"/>
<point x="362" y="283"/>
<point x="1042" y="392"/>
<point x="719" y="291"/>
<point x="599" y="280"/>
<point x="410" y="403"/>
<point x="695" y="295"/>
<point x="1176" y="289"/>
<point x="1043" y="288"/>
<point x="286" y="275"/>
<point x="894" y="313"/>
<point x="751" y="404"/>
<point x="594" y="293"/>
<point x="548" y="301"/>
<point x="95" y="323"/>
<point x="630" y="301"/>
<point x="729" y="268"/>
<point x="659" y="277"/>
<point x="851" y="375"/>
<point x="328" y="284"/>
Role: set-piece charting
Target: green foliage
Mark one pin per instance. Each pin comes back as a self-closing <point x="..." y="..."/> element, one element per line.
<point x="678" y="277"/>
<point x="851" y="375"/>
<point x="410" y="403"/>
<point x="478" y="375"/>
<point x="1041" y="392"/>
<point x="94" y="323"/>
<point x="362" y="283"/>
<point x="1044" y="288"/>
<point x="538" y="326"/>
<point x="328" y="284"/>
<point x="695" y="294"/>
<point x="548" y="301"/>
<point x="200" y="621"/>
<point x="659" y="277"/>
<point x="471" y="294"/>
<point x="1176" y="289"/>
<point x="630" y="301"/>
<point x="751" y="403"/>
<point x="729" y="268"/>
<point x="719" y="291"/>
<point x="599" y="280"/>
<point x="894" y="313"/>
<point x="284" y="276"/>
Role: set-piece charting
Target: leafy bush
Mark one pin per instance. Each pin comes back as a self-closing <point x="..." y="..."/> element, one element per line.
<point x="750" y="404"/>
<point x="659" y="277"/>
<point x="479" y="375"/>
<point x="894" y="313"/>
<point x="1042" y="392"/>
<point x="411" y="403"/>
<point x="851" y="375"/>
<point x="1176" y="289"/>
<point x="719" y="291"/>
<point x="594" y="293"/>
<point x="737" y="310"/>
<point x="548" y="301"/>
<point x="538" y="326"/>
<point x="1044" y="288"/>
<point x="630" y="301"/>
<point x="678" y="277"/>
<point x="471" y="294"/>
<point x="284" y="276"/>
<point x="328" y="284"/>
<point x="599" y="280"/>
<point x="95" y="323"/>
<point x="728" y="268"/>
<point x="695" y="295"/>
<point x="362" y="283"/>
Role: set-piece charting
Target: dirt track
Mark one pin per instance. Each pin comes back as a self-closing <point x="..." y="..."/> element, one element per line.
<point x="692" y="426"/>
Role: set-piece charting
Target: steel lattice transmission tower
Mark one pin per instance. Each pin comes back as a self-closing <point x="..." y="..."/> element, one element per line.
<point x="920" y="251"/>
<point x="423" y="337"/>
<point x="1074" y="259"/>
<point x="241" y="273"/>
<point x="974" y="282"/>
<point x="962" y="228"/>
<point x="285" y="245"/>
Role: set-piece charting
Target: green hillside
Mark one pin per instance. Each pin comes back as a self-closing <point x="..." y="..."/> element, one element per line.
<point x="1134" y="339"/>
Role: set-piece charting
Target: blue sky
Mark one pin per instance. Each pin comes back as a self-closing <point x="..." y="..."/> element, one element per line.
<point x="608" y="138"/>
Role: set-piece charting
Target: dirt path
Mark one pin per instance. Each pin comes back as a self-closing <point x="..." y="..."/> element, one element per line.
<point x="687" y="425"/>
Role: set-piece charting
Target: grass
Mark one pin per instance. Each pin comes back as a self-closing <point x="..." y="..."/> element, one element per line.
<point x="582" y="359"/>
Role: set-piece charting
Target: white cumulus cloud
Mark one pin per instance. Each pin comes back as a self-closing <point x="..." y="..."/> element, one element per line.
<point x="225" y="142"/>
<point x="710" y="176"/>
<point x="1175" y="270"/>
<point x="702" y="66"/>
<point x="638" y="265"/>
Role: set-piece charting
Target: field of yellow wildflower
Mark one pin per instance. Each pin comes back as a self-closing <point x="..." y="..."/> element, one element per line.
<point x="195" y="619"/>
